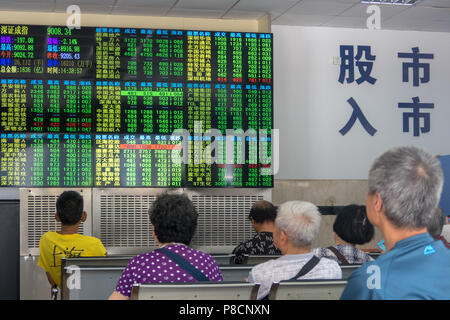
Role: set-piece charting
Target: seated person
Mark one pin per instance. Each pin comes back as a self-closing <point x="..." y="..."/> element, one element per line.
<point x="446" y="229"/>
<point x="262" y="216"/>
<point x="174" y="220"/>
<point x="67" y="242"/>
<point x="296" y="226"/>
<point x="351" y="227"/>
<point x="405" y="186"/>
<point x="435" y="226"/>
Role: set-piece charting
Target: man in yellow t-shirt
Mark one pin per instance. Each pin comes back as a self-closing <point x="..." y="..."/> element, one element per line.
<point x="67" y="243"/>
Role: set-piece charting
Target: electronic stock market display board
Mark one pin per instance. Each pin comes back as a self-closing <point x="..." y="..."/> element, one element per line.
<point x="130" y="107"/>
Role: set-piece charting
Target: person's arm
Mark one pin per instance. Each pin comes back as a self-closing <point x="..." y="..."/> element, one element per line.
<point x="50" y="279"/>
<point x="117" y="296"/>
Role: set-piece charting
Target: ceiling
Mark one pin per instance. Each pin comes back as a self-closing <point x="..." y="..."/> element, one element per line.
<point x="426" y="15"/>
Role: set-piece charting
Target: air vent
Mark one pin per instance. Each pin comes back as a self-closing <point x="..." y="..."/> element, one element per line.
<point x="223" y="220"/>
<point x="125" y="222"/>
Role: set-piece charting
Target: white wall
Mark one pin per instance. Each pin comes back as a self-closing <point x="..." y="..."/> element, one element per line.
<point x="310" y="105"/>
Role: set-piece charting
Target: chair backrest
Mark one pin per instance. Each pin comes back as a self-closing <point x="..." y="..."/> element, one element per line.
<point x="257" y="259"/>
<point x="348" y="269"/>
<point x="89" y="283"/>
<point x="107" y="261"/>
<point x="224" y="259"/>
<point x="98" y="276"/>
<point x="236" y="272"/>
<point x="307" y="290"/>
<point x="195" y="291"/>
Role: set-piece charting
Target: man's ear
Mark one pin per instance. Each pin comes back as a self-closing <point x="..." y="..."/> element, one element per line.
<point x="83" y="216"/>
<point x="378" y="207"/>
<point x="283" y="237"/>
<point x="378" y="202"/>
<point x="57" y="217"/>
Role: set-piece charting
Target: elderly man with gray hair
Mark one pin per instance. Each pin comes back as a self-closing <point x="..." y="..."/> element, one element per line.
<point x="296" y="226"/>
<point x="405" y="186"/>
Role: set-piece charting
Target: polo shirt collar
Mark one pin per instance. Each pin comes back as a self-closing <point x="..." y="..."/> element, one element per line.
<point x="417" y="240"/>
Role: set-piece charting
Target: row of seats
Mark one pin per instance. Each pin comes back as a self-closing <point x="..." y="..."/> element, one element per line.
<point x="285" y="290"/>
<point x="99" y="276"/>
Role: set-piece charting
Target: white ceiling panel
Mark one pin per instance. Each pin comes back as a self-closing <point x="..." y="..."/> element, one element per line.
<point x="143" y="7"/>
<point x="435" y="3"/>
<point x="146" y="3"/>
<point x="424" y="13"/>
<point x="386" y="11"/>
<point x="86" y="6"/>
<point x="302" y="20"/>
<point x="274" y="8"/>
<point x="27" y="5"/>
<point x="265" y="5"/>
<point x="441" y="26"/>
<point x="195" y="13"/>
<point x="347" y="22"/>
<point x="245" y="15"/>
<point x="320" y="7"/>
<point x="205" y="4"/>
<point x="406" y="24"/>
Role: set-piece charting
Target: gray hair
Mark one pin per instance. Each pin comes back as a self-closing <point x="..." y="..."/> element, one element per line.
<point x="409" y="182"/>
<point x="300" y="220"/>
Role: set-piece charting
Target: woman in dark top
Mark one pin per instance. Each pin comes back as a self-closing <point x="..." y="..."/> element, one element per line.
<point x="351" y="227"/>
<point x="262" y="216"/>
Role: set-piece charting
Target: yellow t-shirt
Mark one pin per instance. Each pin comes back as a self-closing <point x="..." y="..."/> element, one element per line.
<point x="54" y="246"/>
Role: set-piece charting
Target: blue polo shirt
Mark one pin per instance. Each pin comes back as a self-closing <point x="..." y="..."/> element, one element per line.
<point x="415" y="268"/>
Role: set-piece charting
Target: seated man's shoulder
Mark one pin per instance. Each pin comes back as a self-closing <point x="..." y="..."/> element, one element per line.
<point x="268" y="265"/>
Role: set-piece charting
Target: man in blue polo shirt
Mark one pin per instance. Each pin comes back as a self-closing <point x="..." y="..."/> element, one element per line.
<point x="405" y="185"/>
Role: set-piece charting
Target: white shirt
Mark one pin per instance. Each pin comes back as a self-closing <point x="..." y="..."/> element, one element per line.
<point x="287" y="266"/>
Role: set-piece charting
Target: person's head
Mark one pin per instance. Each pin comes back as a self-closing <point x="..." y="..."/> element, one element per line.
<point x="352" y="225"/>
<point x="405" y="186"/>
<point x="174" y="218"/>
<point x="262" y="212"/>
<point x="436" y="223"/>
<point x="297" y="224"/>
<point x="69" y="208"/>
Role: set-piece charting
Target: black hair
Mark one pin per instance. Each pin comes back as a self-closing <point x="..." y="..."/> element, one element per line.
<point x="69" y="207"/>
<point x="353" y="226"/>
<point x="174" y="218"/>
<point x="262" y="211"/>
<point x="436" y="223"/>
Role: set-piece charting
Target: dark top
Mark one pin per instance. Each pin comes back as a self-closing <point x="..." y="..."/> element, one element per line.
<point x="260" y="244"/>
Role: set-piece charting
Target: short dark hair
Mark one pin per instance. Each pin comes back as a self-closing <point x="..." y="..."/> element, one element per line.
<point x="436" y="223"/>
<point x="69" y="207"/>
<point x="174" y="218"/>
<point x="353" y="226"/>
<point x="262" y="211"/>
